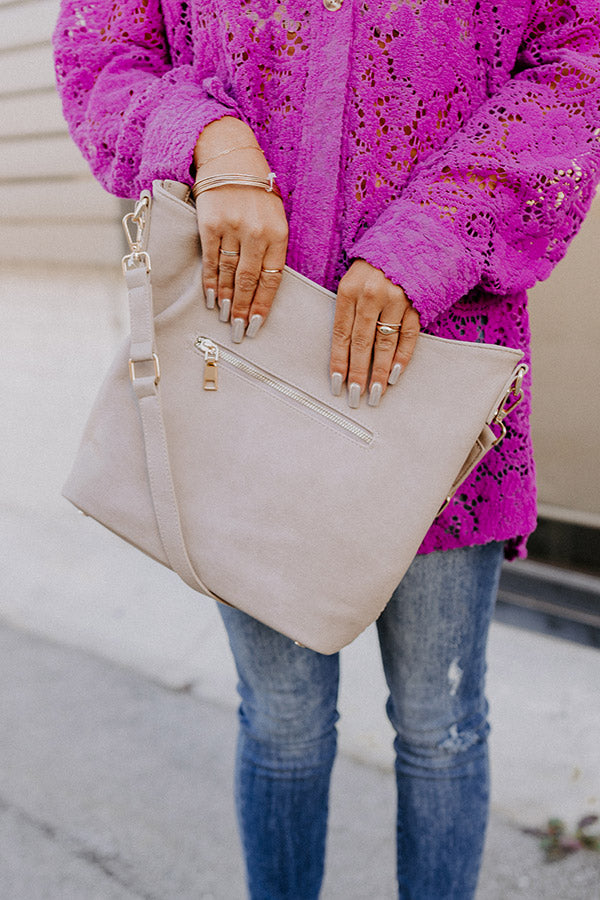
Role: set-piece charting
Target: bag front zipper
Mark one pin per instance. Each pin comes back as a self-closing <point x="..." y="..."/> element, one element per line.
<point x="214" y="352"/>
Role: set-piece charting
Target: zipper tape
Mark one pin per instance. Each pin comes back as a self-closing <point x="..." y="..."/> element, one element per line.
<point x="213" y="352"/>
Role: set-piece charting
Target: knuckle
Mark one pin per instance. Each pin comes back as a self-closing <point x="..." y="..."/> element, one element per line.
<point x="345" y="307"/>
<point x="227" y="266"/>
<point x="340" y="334"/>
<point x="410" y="333"/>
<point x="395" y="293"/>
<point x="361" y="342"/>
<point x="346" y="291"/>
<point x="270" y="280"/>
<point x="370" y="293"/>
<point x="235" y="220"/>
<point x="280" y="234"/>
<point x="246" y="280"/>
<point x="257" y="230"/>
<point x="412" y="317"/>
<point x="386" y="341"/>
<point x="209" y="229"/>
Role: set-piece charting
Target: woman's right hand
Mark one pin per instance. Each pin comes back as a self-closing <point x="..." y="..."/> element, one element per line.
<point x="242" y="220"/>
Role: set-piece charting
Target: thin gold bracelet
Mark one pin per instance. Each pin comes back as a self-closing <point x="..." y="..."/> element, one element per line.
<point x="225" y="152"/>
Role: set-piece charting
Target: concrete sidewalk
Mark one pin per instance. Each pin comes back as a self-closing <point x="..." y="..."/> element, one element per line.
<point x="118" y="690"/>
<point x="113" y="787"/>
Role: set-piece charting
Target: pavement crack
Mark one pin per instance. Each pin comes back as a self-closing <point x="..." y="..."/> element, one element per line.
<point x="111" y="864"/>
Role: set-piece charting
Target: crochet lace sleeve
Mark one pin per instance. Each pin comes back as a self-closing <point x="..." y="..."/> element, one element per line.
<point x="134" y="111"/>
<point x="499" y="203"/>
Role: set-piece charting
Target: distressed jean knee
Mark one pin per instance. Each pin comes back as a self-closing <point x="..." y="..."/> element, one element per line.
<point x="451" y="749"/>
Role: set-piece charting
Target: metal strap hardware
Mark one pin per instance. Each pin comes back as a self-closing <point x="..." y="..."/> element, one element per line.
<point x="136" y="362"/>
<point x="135" y="240"/>
<point x="488" y="438"/>
<point x="134" y="226"/>
<point x="510" y="401"/>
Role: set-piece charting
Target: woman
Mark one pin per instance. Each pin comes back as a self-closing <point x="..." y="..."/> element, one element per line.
<point x="434" y="160"/>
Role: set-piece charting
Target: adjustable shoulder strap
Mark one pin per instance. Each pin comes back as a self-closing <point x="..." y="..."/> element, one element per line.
<point x="144" y="371"/>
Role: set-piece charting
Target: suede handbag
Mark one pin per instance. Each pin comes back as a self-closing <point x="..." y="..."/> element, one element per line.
<point x="234" y="465"/>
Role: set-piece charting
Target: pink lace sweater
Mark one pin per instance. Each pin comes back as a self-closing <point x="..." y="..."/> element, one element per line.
<point x="454" y="145"/>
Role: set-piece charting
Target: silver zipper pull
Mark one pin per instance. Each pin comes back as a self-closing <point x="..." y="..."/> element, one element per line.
<point x="211" y="356"/>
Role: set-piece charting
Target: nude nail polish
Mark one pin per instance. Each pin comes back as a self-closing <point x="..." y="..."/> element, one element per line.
<point x="375" y="394"/>
<point x="395" y="374"/>
<point x="210" y="298"/>
<point x="253" y="326"/>
<point x="354" y="395"/>
<point x="237" y="330"/>
<point x="336" y="384"/>
<point x="225" y="310"/>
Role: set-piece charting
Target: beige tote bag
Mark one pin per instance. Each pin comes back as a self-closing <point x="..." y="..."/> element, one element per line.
<point x="235" y="466"/>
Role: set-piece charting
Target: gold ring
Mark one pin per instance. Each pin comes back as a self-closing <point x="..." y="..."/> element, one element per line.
<point x="229" y="252"/>
<point x="387" y="328"/>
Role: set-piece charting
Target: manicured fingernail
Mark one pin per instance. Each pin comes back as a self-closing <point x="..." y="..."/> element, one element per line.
<point x="336" y="384"/>
<point x="395" y="374"/>
<point x="225" y="310"/>
<point x="375" y="394"/>
<point x="254" y="324"/>
<point x="354" y="395"/>
<point x="210" y="298"/>
<point x="237" y="330"/>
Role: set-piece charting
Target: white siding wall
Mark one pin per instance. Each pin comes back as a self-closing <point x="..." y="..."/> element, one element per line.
<point x="50" y="206"/>
<point x="565" y="324"/>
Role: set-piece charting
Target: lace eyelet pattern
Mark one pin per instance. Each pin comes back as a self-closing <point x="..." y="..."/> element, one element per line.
<point x="454" y="144"/>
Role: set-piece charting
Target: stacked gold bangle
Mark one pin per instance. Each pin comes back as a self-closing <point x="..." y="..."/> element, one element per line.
<point x="234" y="178"/>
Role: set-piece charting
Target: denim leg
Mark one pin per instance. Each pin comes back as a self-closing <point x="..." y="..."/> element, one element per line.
<point x="433" y="636"/>
<point x="286" y="748"/>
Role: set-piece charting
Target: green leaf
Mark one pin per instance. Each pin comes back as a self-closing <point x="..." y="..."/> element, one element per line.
<point x="556" y="826"/>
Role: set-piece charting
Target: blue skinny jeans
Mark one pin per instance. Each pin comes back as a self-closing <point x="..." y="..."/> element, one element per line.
<point x="432" y="636"/>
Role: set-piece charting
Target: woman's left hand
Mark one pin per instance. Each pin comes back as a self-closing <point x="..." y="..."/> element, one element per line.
<point x="360" y="354"/>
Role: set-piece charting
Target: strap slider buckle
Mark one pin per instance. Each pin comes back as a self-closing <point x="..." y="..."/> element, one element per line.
<point x="134" y="259"/>
<point x="136" y="362"/>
